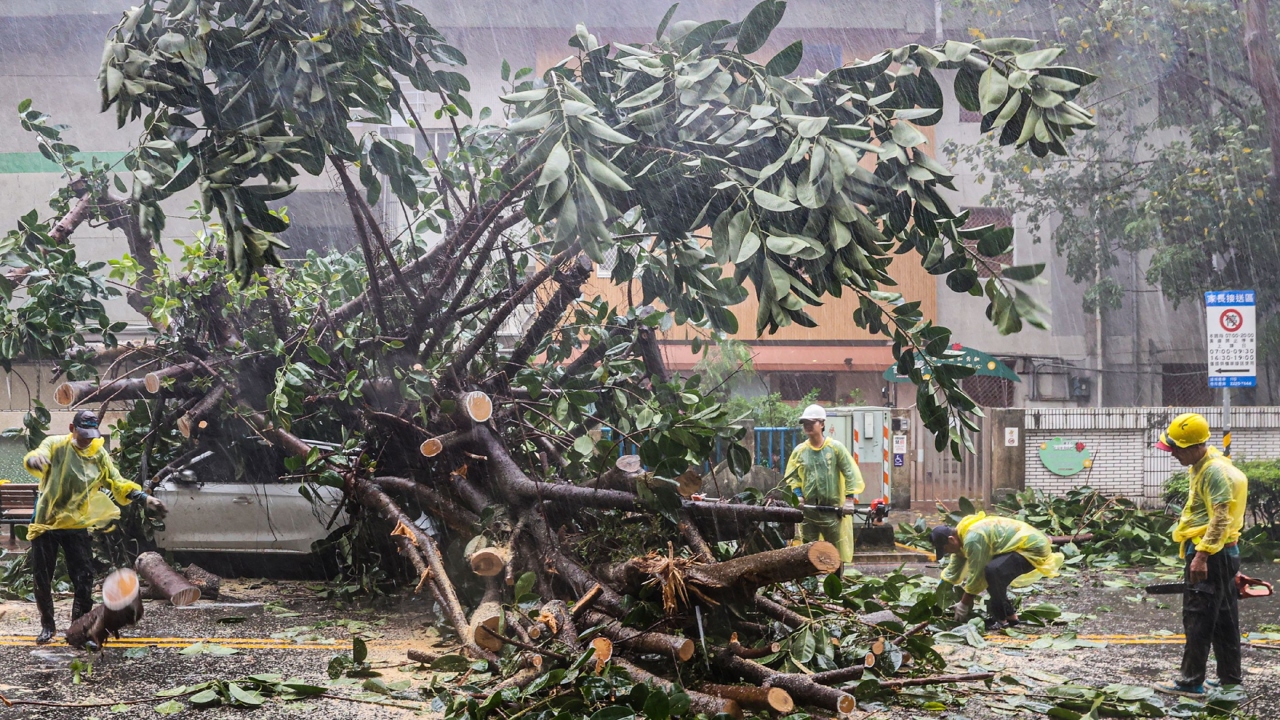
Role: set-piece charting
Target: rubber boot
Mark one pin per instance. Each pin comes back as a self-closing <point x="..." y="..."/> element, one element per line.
<point x="80" y="606"/>
<point x="47" y="626"/>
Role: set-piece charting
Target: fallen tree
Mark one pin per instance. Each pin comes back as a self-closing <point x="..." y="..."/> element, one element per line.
<point x="460" y="396"/>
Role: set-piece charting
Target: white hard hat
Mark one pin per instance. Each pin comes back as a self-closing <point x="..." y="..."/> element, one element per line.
<point x="814" y="412"/>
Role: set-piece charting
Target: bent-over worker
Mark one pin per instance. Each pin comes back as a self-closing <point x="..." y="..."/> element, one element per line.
<point x="993" y="553"/>
<point x="74" y="470"/>
<point x="1206" y="534"/>
<point x="821" y="471"/>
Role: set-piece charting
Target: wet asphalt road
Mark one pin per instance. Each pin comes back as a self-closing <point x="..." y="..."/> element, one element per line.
<point x="1110" y="603"/>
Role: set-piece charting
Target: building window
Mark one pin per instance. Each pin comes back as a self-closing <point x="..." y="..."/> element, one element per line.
<point x="1185" y="385"/>
<point x="980" y="216"/>
<point x="797" y="386"/>
<point x="442" y="141"/>
<point x="989" y="391"/>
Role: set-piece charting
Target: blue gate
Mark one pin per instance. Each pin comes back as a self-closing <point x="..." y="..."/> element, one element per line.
<point x="774" y="446"/>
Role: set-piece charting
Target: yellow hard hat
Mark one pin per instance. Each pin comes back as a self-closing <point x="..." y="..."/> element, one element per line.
<point x="1186" y="430"/>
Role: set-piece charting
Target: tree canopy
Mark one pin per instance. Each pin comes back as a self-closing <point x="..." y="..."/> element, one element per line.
<point x="701" y="167"/>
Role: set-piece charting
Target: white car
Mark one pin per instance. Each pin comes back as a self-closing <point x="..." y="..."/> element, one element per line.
<point x="212" y="510"/>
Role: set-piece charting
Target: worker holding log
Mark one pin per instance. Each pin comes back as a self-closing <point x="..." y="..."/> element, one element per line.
<point x="993" y="553"/>
<point x="1206" y="534"/>
<point x="822" y="474"/>
<point x="74" y="470"/>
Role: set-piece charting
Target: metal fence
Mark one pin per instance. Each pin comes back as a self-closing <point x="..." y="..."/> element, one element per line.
<point x="773" y="446"/>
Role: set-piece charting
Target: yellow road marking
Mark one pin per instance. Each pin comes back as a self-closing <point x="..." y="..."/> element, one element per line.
<point x="1135" y="639"/>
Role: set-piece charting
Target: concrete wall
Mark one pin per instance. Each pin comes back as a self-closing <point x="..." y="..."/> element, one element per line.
<point x="1120" y="443"/>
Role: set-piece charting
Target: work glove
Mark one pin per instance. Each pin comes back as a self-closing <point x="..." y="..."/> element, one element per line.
<point x="157" y="507"/>
<point x="961" y="611"/>
<point x="38" y="463"/>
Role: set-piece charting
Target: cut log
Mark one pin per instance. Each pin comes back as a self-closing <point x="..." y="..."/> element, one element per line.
<point x="475" y="407"/>
<point x="121" y="606"/>
<point x="781" y="613"/>
<point x="740" y="576"/>
<point x="432" y="447"/>
<point x="680" y="648"/>
<point x="488" y="614"/>
<point x="801" y="687"/>
<point x="936" y="680"/>
<point x="627" y="470"/>
<point x="426" y="657"/>
<point x="588" y="598"/>
<point x="753" y="653"/>
<point x="153" y="568"/>
<point x="839" y="675"/>
<point x="489" y="561"/>
<point x="555" y="615"/>
<point x="154" y="381"/>
<point x="195" y="418"/>
<point x="209" y="585"/>
<point x="603" y="650"/>
<point x="699" y="702"/>
<point x="85" y="391"/>
<point x="751" y="697"/>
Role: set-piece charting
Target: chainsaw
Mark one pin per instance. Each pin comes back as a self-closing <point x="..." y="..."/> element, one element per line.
<point x="1247" y="587"/>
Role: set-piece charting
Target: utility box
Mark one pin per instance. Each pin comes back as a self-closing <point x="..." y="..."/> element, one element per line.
<point x="866" y="432"/>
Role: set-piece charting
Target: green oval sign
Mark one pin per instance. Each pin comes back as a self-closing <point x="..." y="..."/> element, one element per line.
<point x="1065" y="457"/>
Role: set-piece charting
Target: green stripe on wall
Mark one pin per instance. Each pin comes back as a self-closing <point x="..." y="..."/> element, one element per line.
<point x="11" y="163"/>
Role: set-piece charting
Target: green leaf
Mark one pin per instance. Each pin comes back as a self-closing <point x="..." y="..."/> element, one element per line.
<point x="906" y="135"/>
<point x="769" y="201"/>
<point x="555" y="166"/>
<point x="524" y="585"/>
<point x="786" y="61"/>
<point x="992" y="89"/>
<point x="739" y="460"/>
<point x="1038" y="58"/>
<point x="318" y="354"/>
<point x="246" y="698"/>
<point x="24" y="106"/>
<point x="359" y="651"/>
<point x="758" y="25"/>
<point x="584" y="445"/>
<point x="1023" y="273"/>
<point x="645" y="96"/>
<point x="666" y="19"/>
<point x="169" y="708"/>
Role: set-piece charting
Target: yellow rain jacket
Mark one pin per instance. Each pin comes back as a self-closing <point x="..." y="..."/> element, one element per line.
<point x="984" y="537"/>
<point x="824" y="475"/>
<point x="1215" y="481"/>
<point x="71" y="486"/>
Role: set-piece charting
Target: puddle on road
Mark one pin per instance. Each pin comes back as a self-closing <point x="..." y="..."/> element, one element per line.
<point x="54" y="657"/>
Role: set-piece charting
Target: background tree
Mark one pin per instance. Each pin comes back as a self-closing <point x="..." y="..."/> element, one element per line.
<point x="1182" y="167"/>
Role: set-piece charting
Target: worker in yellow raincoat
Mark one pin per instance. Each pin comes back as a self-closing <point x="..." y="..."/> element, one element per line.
<point x="821" y="472"/>
<point x="993" y="553"/>
<point x="73" y="471"/>
<point x="1206" y="534"/>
